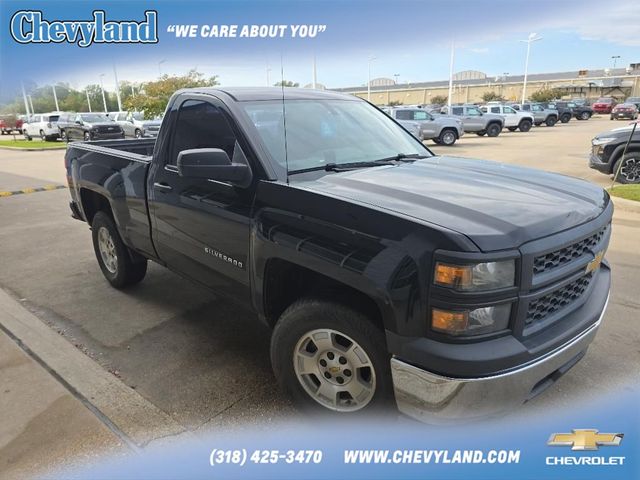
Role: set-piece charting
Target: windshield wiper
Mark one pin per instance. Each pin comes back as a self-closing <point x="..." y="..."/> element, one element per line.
<point x="344" y="167"/>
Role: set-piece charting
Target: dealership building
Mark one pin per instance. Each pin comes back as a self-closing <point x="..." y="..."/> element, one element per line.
<point x="469" y="86"/>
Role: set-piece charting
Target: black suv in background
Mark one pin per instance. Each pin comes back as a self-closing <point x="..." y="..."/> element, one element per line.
<point x="65" y="120"/>
<point x="606" y="154"/>
<point x="564" y="111"/>
<point x="92" y="126"/>
<point x="581" y="112"/>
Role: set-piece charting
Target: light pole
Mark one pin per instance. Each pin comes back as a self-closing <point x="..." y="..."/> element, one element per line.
<point x="115" y="74"/>
<point x="396" y="75"/>
<point x="533" y="37"/>
<point x="453" y="55"/>
<point x="31" y="103"/>
<point x="370" y="59"/>
<point x="104" y="98"/>
<point x="88" y="101"/>
<point x="55" y="97"/>
<point x="160" y="66"/>
<point x="615" y="59"/>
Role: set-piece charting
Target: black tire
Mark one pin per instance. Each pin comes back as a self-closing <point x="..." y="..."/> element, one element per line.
<point x="137" y="133"/>
<point x="43" y="137"/>
<point x="565" y="118"/>
<point x="585" y="116"/>
<point x="629" y="170"/>
<point x="551" y="121"/>
<point x="448" y="137"/>
<point x="309" y="314"/>
<point x="611" y="117"/>
<point x="524" y="125"/>
<point x="63" y="135"/>
<point x="130" y="268"/>
<point x="86" y="136"/>
<point x="494" y="129"/>
<point x="512" y="129"/>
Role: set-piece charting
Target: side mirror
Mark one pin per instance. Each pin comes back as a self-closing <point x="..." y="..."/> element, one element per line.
<point x="212" y="164"/>
<point x="78" y="122"/>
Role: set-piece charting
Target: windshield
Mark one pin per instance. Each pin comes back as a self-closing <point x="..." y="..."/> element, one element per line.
<point x="138" y="116"/>
<point x="328" y="132"/>
<point x="94" y="117"/>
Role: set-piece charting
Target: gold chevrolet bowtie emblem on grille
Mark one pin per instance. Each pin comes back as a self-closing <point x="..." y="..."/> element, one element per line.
<point x="585" y="439"/>
<point x="593" y="265"/>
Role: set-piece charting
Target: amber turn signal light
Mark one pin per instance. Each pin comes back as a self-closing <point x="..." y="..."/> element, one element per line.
<point x="448" y="321"/>
<point x="453" y="275"/>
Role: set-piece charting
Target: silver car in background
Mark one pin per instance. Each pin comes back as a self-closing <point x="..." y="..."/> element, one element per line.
<point x="441" y="129"/>
<point x="134" y="124"/>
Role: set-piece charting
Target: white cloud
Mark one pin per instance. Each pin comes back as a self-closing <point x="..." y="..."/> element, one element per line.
<point x="481" y="51"/>
<point x="616" y="23"/>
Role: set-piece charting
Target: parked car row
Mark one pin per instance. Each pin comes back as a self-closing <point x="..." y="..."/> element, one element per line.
<point x="83" y="126"/>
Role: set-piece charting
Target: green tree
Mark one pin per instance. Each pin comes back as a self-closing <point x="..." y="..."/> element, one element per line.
<point x="546" y="95"/>
<point x="395" y="103"/>
<point x="439" y="99"/>
<point x="492" y="97"/>
<point x="152" y="97"/>
<point x="286" y="83"/>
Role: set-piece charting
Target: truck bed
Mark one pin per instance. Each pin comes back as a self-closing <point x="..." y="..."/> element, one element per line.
<point x="133" y="149"/>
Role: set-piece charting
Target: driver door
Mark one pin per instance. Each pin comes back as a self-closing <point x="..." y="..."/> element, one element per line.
<point x="201" y="227"/>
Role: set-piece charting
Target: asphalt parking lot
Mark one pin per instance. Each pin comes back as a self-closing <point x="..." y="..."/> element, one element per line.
<point x="205" y="362"/>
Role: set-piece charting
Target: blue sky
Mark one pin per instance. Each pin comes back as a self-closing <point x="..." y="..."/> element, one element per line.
<point x="408" y="38"/>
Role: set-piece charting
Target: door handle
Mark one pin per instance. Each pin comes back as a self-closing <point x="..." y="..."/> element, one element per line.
<point x="162" y="186"/>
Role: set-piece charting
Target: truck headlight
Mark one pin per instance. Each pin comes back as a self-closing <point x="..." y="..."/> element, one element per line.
<point x="602" y="141"/>
<point x="476" y="277"/>
<point x="471" y="322"/>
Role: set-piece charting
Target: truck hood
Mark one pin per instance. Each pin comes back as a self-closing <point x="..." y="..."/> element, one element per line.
<point x="497" y="206"/>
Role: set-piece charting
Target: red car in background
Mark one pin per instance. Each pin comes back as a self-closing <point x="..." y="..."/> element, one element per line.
<point x="10" y="123"/>
<point x="603" y="105"/>
<point x="624" y="110"/>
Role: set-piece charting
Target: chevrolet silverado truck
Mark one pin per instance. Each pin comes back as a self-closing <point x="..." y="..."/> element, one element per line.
<point x="450" y="287"/>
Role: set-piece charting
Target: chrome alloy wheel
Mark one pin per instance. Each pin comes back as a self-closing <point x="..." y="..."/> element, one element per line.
<point x="107" y="250"/>
<point x="448" y="138"/>
<point x="630" y="170"/>
<point x="334" y="370"/>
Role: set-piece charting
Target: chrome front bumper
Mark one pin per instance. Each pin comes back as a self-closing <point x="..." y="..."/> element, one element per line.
<point x="432" y="398"/>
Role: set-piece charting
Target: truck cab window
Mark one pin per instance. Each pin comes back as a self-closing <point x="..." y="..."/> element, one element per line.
<point x="201" y="125"/>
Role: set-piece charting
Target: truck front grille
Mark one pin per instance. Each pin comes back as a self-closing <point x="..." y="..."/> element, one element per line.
<point x="562" y="256"/>
<point x="547" y="305"/>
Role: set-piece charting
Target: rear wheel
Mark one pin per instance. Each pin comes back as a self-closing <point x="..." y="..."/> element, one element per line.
<point x="565" y="118"/>
<point x="138" y="133"/>
<point x="494" y="129"/>
<point x="525" y="125"/>
<point x="447" y="137"/>
<point x="331" y="358"/>
<point x="119" y="265"/>
<point x="629" y="168"/>
<point x="551" y="121"/>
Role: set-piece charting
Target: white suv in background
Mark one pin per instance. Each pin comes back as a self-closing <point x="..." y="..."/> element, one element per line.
<point x="43" y="125"/>
<point x="513" y="119"/>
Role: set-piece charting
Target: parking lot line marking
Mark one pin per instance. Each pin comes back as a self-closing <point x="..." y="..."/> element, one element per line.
<point x="46" y="188"/>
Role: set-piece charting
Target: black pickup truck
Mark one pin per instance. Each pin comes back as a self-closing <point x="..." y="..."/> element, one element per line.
<point x="452" y="287"/>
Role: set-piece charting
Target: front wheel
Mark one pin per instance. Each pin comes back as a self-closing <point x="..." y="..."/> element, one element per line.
<point x="138" y="133"/>
<point x="585" y="115"/>
<point x="448" y="137"/>
<point x="629" y="168"/>
<point x="86" y="136"/>
<point x="565" y="118"/>
<point x="43" y="137"/>
<point x="525" y="125"/>
<point x="494" y="130"/>
<point x="331" y="358"/>
<point x="551" y="121"/>
<point x="119" y="265"/>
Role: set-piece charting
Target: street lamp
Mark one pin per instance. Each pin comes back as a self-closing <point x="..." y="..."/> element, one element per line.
<point x="88" y="101"/>
<point x="104" y="98"/>
<point x="533" y="37"/>
<point x="396" y="75"/>
<point x="55" y="97"/>
<point x="615" y="59"/>
<point x="370" y="59"/>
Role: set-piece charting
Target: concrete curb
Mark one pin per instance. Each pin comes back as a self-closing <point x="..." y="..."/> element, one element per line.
<point x="625" y="205"/>
<point x="20" y="149"/>
<point x="136" y="419"/>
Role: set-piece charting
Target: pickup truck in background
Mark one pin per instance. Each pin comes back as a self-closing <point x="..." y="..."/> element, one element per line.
<point x="135" y="125"/>
<point x="513" y="120"/>
<point x="10" y="124"/>
<point x="540" y="114"/>
<point x="451" y="287"/>
<point x="474" y="121"/>
<point x="443" y="130"/>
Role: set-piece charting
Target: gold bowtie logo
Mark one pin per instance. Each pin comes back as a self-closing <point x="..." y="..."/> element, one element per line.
<point x="593" y="265"/>
<point x="585" y="439"/>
